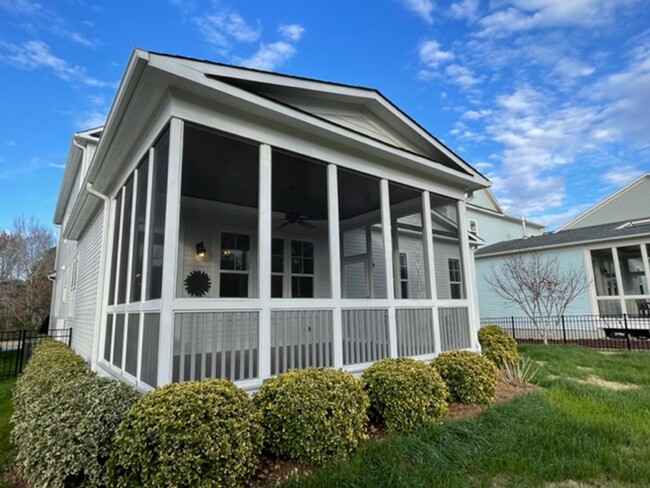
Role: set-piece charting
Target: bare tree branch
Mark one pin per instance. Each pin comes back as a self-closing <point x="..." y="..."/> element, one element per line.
<point x="539" y="287"/>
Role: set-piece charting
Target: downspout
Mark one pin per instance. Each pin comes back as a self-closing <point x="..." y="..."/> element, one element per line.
<point x="99" y="308"/>
<point x="523" y="227"/>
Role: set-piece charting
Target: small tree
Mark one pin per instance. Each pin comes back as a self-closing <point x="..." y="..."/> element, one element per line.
<point x="26" y="259"/>
<point x="539" y="287"/>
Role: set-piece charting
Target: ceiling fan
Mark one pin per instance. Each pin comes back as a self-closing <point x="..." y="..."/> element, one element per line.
<point x="294" y="218"/>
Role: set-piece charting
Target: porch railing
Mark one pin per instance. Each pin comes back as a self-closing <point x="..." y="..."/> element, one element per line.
<point x="455" y="331"/>
<point x="365" y="335"/>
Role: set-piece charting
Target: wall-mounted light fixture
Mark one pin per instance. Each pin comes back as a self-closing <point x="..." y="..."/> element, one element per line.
<point x="201" y="251"/>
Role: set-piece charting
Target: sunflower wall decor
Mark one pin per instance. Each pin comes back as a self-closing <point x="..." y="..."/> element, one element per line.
<point x="197" y="283"/>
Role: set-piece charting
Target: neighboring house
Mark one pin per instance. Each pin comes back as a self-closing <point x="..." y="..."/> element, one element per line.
<point x="229" y="222"/>
<point x="610" y="244"/>
<point x="487" y="220"/>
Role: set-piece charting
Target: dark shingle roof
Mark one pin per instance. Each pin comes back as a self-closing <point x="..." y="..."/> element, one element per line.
<point x="567" y="237"/>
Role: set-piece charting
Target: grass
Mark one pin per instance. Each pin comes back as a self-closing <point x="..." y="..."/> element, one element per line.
<point x="567" y="433"/>
<point x="6" y="449"/>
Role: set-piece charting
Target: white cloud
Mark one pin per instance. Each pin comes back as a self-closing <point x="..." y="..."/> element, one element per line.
<point x="270" y="56"/>
<point x="461" y="75"/>
<point x="291" y="32"/>
<point x="37" y="54"/>
<point x="464" y="9"/>
<point x="421" y="8"/>
<point x="431" y="54"/>
<point x="621" y="175"/>
<point x="222" y="27"/>
<point x="529" y="14"/>
<point x="475" y="115"/>
<point x="56" y="165"/>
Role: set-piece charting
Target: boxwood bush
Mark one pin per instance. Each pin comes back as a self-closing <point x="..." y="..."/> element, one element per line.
<point x="405" y="393"/>
<point x="313" y="415"/>
<point x="65" y="418"/>
<point x="497" y="345"/>
<point x="470" y="377"/>
<point x="195" y="433"/>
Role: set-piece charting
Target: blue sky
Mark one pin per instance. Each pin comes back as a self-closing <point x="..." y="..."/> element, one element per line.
<point x="549" y="98"/>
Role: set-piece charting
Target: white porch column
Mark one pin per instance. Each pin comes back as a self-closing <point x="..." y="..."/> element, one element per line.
<point x="170" y="252"/>
<point x="619" y="280"/>
<point x="429" y="258"/>
<point x="387" y="234"/>
<point x="264" y="261"/>
<point x="467" y="264"/>
<point x="335" y="262"/>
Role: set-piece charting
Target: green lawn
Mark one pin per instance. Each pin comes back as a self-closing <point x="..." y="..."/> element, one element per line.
<point x="570" y="433"/>
<point x="6" y="451"/>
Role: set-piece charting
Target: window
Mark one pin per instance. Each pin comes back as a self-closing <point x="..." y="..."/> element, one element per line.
<point x="277" y="267"/>
<point x="473" y="226"/>
<point x="235" y="265"/>
<point x="302" y="269"/>
<point x="403" y="275"/>
<point x="455" y="279"/>
<point x="138" y="241"/>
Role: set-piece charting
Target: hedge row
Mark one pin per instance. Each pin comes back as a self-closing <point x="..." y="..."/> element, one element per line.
<point x="73" y="428"/>
<point x="64" y="418"/>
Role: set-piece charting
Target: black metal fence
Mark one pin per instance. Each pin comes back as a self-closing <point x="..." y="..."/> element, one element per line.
<point x="608" y="332"/>
<point x="16" y="348"/>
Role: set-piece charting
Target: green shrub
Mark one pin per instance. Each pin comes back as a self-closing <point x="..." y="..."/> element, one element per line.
<point x="405" y="393"/>
<point x="313" y="414"/>
<point x="66" y="419"/>
<point x="470" y="377"/>
<point x="497" y="345"/>
<point x="195" y="433"/>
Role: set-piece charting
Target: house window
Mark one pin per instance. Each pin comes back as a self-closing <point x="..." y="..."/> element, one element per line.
<point x="403" y="275"/>
<point x="302" y="269"/>
<point x="235" y="265"/>
<point x="455" y="279"/>
<point x="473" y="226"/>
<point x="277" y="267"/>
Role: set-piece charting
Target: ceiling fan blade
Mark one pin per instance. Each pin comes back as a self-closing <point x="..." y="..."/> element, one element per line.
<point x="282" y="225"/>
<point x="304" y="223"/>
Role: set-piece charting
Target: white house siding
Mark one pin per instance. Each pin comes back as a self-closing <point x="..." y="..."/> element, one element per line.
<point x="629" y="205"/>
<point x="62" y="306"/>
<point x="492" y="305"/>
<point x="84" y="319"/>
<point x="494" y="228"/>
<point x="442" y="252"/>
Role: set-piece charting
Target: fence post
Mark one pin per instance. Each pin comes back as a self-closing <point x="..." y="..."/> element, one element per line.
<point x="512" y="324"/>
<point x="563" y="330"/>
<point x="20" y="352"/>
<point x="627" y="333"/>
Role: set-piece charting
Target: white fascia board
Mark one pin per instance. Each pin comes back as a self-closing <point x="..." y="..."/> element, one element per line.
<point x="72" y="165"/>
<point x="603" y="202"/>
<point x="134" y="70"/>
<point x="254" y="103"/>
<point x="372" y="99"/>
<point x="591" y="242"/>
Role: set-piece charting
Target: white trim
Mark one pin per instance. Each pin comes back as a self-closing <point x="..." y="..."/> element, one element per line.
<point x="429" y="256"/>
<point x="466" y="269"/>
<point x="335" y="262"/>
<point x="619" y="280"/>
<point x="170" y="251"/>
<point x="129" y="264"/>
<point x="265" y="238"/>
<point x="386" y="226"/>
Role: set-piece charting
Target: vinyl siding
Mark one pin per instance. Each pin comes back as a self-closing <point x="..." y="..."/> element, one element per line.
<point x="442" y="252"/>
<point x="84" y="319"/>
<point x="492" y="305"/>
<point x="632" y="204"/>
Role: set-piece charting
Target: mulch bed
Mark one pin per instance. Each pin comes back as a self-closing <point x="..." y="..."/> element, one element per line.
<point x="272" y="471"/>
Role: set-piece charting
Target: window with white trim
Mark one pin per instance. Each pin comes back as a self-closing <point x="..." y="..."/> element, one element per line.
<point x="472" y="226"/>
<point x="403" y="275"/>
<point x="302" y="269"/>
<point x="235" y="265"/>
<point x="277" y="267"/>
<point x="455" y="279"/>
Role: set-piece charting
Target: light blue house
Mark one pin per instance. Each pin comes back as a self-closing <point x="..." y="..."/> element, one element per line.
<point x="609" y="243"/>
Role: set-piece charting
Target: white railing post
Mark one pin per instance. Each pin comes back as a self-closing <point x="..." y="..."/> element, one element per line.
<point x="335" y="262"/>
<point x="264" y="261"/>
